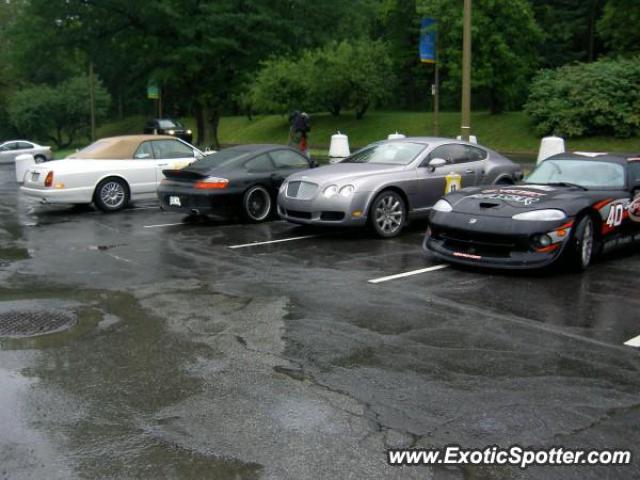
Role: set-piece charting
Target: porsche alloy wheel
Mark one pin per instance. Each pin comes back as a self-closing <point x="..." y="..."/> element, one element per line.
<point x="111" y="195"/>
<point x="257" y="204"/>
<point x="388" y="214"/>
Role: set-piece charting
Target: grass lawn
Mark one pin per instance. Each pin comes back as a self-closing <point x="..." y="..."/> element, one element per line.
<point x="508" y="132"/>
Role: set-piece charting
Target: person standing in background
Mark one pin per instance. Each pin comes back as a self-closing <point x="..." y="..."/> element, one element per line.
<point x="301" y="126"/>
<point x="292" y="121"/>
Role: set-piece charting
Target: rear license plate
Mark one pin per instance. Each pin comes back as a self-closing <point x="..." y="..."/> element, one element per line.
<point x="35" y="176"/>
<point x="175" y="201"/>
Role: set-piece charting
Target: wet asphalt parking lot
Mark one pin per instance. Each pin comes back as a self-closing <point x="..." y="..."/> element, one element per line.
<point x="186" y="358"/>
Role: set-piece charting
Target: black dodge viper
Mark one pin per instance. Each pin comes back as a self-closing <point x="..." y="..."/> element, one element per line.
<point x="571" y="208"/>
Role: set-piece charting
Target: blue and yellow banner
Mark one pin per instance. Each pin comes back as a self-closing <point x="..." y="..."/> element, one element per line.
<point x="428" y="40"/>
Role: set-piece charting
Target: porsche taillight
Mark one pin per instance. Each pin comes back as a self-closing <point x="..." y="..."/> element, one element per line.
<point x="48" y="181"/>
<point x="211" y="183"/>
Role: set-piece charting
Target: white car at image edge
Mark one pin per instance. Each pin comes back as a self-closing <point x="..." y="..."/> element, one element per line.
<point x="11" y="149"/>
<point x="110" y="172"/>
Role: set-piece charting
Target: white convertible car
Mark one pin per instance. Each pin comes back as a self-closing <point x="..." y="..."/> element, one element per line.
<point x="110" y="172"/>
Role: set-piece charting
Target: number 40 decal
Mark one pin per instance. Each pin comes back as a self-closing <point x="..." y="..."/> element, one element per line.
<point x="616" y="213"/>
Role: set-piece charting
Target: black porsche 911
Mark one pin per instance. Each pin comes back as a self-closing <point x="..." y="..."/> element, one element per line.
<point x="571" y="207"/>
<point x="238" y="180"/>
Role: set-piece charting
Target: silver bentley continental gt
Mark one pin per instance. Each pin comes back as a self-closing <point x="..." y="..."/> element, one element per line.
<point x="387" y="183"/>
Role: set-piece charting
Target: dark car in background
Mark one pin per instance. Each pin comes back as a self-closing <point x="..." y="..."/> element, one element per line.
<point x="168" y="126"/>
<point x="238" y="180"/>
<point x="571" y="207"/>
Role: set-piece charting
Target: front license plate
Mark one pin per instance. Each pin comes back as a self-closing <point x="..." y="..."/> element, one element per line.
<point x="175" y="202"/>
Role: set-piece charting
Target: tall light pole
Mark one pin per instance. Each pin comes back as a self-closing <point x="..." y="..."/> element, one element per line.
<point x="92" y="101"/>
<point x="465" y="128"/>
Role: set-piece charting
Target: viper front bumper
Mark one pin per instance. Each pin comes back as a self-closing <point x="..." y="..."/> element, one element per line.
<point x="495" y="242"/>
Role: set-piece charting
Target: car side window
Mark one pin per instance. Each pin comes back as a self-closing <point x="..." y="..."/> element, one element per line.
<point x="11" y="146"/>
<point x="261" y="163"/>
<point x="475" y="154"/>
<point x="458" y="153"/>
<point x="288" y="159"/>
<point x="144" y="151"/>
<point x="444" y="152"/>
<point x="24" y="146"/>
<point x="634" y="173"/>
<point x="167" y="149"/>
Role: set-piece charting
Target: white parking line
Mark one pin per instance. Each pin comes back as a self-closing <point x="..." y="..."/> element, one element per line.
<point x="408" y="274"/>
<point x="164" y="225"/>
<point x="255" y="244"/>
<point x="634" y="342"/>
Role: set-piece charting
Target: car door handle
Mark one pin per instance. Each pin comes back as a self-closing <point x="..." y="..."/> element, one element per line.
<point x="468" y="170"/>
<point x="163" y="164"/>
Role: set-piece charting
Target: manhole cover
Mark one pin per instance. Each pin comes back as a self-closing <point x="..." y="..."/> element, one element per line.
<point x="29" y="323"/>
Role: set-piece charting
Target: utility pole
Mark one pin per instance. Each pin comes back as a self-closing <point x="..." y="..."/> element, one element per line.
<point x="436" y="97"/>
<point x="92" y="101"/>
<point x="465" y="128"/>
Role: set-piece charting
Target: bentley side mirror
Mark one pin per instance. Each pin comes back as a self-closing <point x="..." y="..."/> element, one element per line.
<point x="435" y="163"/>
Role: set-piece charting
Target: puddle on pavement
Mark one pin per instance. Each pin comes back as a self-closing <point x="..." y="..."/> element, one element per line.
<point x="117" y="365"/>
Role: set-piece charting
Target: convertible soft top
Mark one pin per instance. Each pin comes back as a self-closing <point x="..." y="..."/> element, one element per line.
<point x="116" y="148"/>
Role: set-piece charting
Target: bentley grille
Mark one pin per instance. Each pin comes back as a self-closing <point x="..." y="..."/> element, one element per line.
<point x="301" y="190"/>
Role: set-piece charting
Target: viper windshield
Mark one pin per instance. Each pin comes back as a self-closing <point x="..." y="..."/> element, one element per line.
<point x="394" y="153"/>
<point x="582" y="173"/>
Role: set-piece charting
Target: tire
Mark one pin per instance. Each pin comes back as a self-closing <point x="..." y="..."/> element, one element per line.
<point x="257" y="204"/>
<point x="388" y="214"/>
<point x="40" y="158"/>
<point x="504" y="181"/>
<point x="582" y="246"/>
<point x="111" y="195"/>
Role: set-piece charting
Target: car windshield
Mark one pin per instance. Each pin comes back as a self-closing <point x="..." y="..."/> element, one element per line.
<point x="218" y="159"/>
<point x="167" y="123"/>
<point x="395" y="153"/>
<point x="586" y="173"/>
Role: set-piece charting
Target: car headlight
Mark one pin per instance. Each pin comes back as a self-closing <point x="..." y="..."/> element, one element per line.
<point x="283" y="187"/>
<point x="171" y="132"/>
<point x="547" y="215"/>
<point x="188" y="132"/>
<point x="330" y="191"/>
<point x="347" y="190"/>
<point x="442" y="206"/>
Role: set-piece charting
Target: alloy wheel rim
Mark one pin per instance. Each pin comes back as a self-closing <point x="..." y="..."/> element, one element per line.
<point x="258" y="204"/>
<point x="389" y="214"/>
<point x="587" y="243"/>
<point x="112" y="194"/>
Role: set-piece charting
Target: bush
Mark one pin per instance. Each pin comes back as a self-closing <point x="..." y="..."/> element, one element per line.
<point x="600" y="98"/>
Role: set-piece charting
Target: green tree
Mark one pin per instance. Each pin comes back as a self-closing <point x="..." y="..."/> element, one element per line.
<point x="618" y="26"/>
<point x="569" y="30"/>
<point x="503" y="60"/>
<point x="341" y="75"/>
<point x="59" y="113"/>
<point x="201" y="52"/>
<point x="399" y="26"/>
